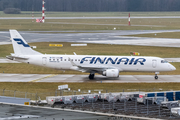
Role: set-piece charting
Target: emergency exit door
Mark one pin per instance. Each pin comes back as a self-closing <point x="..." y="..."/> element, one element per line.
<point x="154" y="63"/>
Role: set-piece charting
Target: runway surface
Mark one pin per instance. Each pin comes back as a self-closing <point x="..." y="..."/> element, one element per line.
<point x="4" y="60"/>
<point x="100" y="37"/>
<point x="135" y="17"/>
<point x="19" y="112"/>
<point x="84" y="78"/>
<point x="103" y="24"/>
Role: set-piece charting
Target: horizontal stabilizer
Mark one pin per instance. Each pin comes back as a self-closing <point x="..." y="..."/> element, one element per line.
<point x="17" y="57"/>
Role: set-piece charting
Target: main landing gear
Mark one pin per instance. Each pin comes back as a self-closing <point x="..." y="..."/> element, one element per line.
<point x="91" y="76"/>
<point x="156" y="76"/>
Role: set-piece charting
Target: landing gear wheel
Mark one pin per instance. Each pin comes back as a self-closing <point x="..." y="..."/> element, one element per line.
<point x="156" y="77"/>
<point x="91" y="76"/>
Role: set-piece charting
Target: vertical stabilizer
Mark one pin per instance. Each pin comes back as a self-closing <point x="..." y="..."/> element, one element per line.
<point x="20" y="46"/>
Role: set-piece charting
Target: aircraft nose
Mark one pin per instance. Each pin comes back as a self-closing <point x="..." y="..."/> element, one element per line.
<point x="172" y="67"/>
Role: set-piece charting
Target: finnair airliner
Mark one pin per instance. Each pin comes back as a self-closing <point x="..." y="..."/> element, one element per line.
<point x="109" y="66"/>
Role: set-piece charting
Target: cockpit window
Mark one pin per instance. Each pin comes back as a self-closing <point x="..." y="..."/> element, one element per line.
<point x="164" y="61"/>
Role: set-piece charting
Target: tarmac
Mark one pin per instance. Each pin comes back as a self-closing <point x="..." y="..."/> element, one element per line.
<point x="99" y="37"/>
<point x="4" y="60"/>
<point x="122" y="17"/>
<point x="84" y="78"/>
<point x="19" y="112"/>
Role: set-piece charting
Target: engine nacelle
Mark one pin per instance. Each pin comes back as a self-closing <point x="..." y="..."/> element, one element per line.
<point x="111" y="73"/>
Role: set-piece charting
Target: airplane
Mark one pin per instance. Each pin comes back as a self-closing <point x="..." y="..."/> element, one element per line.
<point x="109" y="66"/>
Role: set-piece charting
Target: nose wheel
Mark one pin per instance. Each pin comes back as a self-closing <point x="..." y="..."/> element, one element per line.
<point x="156" y="75"/>
<point x="91" y="76"/>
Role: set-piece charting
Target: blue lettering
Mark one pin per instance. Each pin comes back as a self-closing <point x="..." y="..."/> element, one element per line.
<point x="110" y="59"/>
<point x="140" y="60"/>
<point x="131" y="61"/>
<point x="99" y="59"/>
<point x="92" y="60"/>
<point x="84" y="59"/>
<point x="122" y="60"/>
<point x="106" y="60"/>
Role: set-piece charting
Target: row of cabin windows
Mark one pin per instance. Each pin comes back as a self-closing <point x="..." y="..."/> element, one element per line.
<point x="66" y="59"/>
<point x="79" y="60"/>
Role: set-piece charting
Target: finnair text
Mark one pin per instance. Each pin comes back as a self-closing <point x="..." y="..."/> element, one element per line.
<point x="106" y="60"/>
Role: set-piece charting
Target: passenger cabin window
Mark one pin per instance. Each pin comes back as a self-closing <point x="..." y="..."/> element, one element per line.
<point x="164" y="61"/>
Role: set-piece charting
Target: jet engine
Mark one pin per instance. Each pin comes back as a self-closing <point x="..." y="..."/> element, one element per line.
<point x="111" y="73"/>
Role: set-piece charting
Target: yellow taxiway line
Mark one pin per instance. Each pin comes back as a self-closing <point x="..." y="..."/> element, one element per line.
<point x="36" y="80"/>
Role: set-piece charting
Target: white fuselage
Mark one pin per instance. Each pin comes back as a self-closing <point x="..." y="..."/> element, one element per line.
<point x="122" y="63"/>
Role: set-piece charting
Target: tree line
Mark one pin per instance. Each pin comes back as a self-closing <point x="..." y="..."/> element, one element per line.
<point x="92" y="5"/>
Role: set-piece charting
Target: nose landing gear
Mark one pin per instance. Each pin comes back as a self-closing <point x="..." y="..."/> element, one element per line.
<point x="156" y="76"/>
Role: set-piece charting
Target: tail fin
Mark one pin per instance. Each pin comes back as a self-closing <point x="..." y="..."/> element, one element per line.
<point x="20" y="46"/>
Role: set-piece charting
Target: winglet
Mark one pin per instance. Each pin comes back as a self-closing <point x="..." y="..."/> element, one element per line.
<point x="74" y="53"/>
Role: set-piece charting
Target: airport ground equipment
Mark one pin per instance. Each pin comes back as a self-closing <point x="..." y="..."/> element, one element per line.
<point x="170" y="95"/>
<point x="68" y="99"/>
<point x="123" y="97"/>
<point x="145" y="100"/>
<point x="108" y="97"/>
<point x="151" y="100"/>
<point x="54" y="99"/>
<point x="176" y="111"/>
<point x="159" y="100"/>
<point x="79" y="99"/>
<point x="128" y="95"/>
<point x="112" y="103"/>
<point x="170" y="104"/>
<point x="91" y="97"/>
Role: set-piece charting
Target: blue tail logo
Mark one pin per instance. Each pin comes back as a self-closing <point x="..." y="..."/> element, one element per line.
<point x="19" y="41"/>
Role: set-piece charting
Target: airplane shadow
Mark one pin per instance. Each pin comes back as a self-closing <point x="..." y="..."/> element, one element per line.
<point x="99" y="79"/>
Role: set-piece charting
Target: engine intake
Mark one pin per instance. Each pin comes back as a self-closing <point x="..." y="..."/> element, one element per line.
<point x="111" y="73"/>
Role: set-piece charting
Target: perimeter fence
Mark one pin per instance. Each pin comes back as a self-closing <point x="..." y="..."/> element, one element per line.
<point x="42" y="96"/>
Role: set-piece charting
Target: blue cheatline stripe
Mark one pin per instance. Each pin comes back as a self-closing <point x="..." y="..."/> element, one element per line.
<point x="19" y="41"/>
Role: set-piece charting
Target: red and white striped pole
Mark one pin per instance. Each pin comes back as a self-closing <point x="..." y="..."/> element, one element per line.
<point x="32" y="16"/>
<point x="43" y="9"/>
<point x="129" y="20"/>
